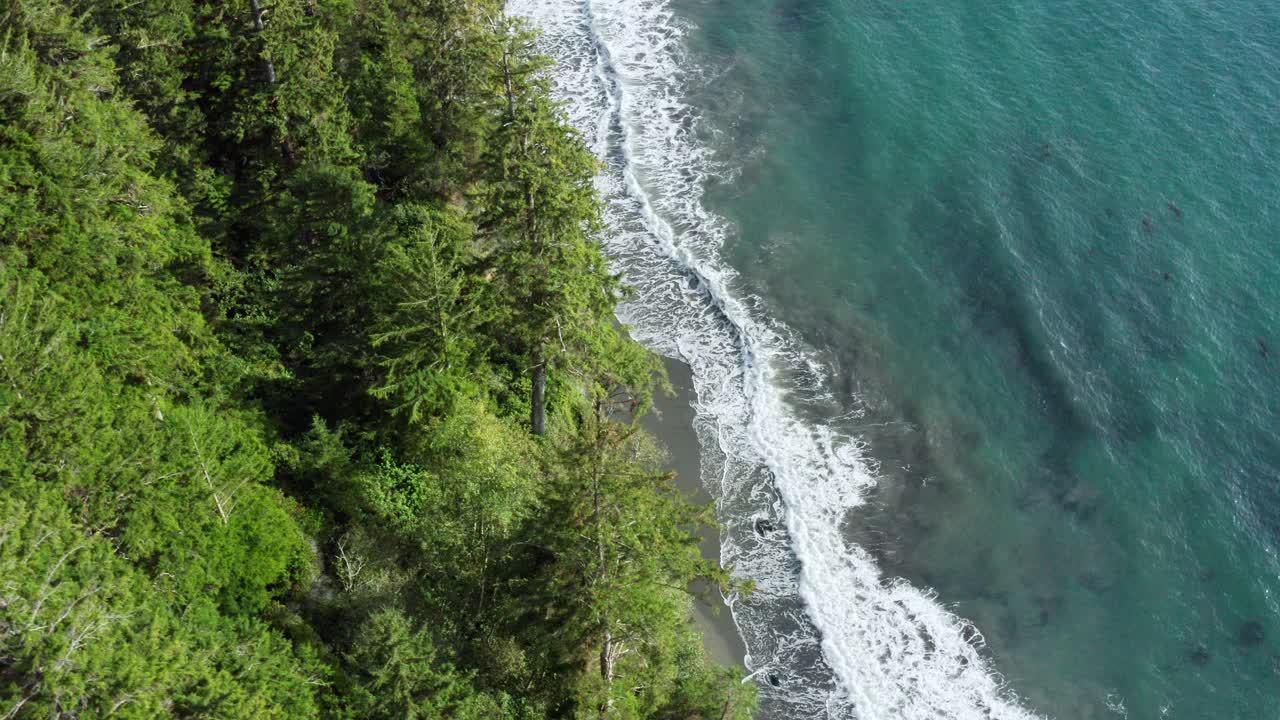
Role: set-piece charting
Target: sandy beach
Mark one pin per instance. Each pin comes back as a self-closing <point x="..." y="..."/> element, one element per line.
<point x="671" y="422"/>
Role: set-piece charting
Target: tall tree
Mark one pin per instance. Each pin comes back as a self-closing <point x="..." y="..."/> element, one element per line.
<point x="429" y="346"/>
<point x="541" y="207"/>
<point x="625" y="555"/>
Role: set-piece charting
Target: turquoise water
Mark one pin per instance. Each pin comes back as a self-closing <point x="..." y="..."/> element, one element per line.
<point x="1036" y="243"/>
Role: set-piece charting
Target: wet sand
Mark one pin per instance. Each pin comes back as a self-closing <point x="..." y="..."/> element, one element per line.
<point x="671" y="422"/>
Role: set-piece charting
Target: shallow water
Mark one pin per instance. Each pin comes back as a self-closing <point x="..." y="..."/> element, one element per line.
<point x="981" y="297"/>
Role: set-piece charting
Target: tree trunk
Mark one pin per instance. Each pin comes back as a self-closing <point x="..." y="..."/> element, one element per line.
<point x="259" y="25"/>
<point x="607" y="649"/>
<point x="539" y="404"/>
<point x="607" y="658"/>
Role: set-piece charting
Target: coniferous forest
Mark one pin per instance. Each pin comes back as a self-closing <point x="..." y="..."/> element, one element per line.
<point x="312" y="400"/>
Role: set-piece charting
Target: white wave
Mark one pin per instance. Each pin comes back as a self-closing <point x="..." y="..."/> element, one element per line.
<point x="825" y="630"/>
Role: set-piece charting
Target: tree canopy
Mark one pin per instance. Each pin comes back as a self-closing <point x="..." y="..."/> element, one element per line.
<point x="312" y="399"/>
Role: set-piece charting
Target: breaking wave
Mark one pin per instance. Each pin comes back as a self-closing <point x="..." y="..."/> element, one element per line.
<point x="827" y="634"/>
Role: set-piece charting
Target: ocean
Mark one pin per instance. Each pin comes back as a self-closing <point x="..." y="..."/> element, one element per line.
<point x="981" y="303"/>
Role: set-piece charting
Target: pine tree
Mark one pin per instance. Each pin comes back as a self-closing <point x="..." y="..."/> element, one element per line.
<point x="540" y="206"/>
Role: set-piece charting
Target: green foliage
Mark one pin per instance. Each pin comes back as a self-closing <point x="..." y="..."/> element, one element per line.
<point x="624" y="560"/>
<point x="403" y="678"/>
<point x="80" y="205"/>
<point x="279" y="294"/>
<point x="320" y="253"/>
<point x="84" y="634"/>
<point x="212" y="530"/>
<point x="179" y="485"/>
<point x="540" y="207"/>
<point x="430" y="348"/>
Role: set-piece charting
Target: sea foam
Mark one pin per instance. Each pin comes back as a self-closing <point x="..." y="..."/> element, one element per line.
<point x="828" y="635"/>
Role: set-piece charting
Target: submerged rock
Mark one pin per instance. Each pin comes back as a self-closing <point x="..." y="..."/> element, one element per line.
<point x="1095" y="581"/>
<point x="1081" y="500"/>
<point x="1251" y="634"/>
<point x="1200" y="656"/>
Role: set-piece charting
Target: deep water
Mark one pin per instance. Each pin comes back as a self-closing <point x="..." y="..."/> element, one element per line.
<point x="1035" y="245"/>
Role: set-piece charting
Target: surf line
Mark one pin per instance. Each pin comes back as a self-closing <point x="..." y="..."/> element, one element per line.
<point x="888" y="649"/>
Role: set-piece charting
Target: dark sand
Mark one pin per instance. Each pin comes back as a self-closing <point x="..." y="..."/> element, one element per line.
<point x="672" y="423"/>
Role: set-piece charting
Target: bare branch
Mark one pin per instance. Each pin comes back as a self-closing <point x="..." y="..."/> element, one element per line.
<point x="350" y="565"/>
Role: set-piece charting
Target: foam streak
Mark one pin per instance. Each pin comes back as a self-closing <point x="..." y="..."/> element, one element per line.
<point x="838" y="638"/>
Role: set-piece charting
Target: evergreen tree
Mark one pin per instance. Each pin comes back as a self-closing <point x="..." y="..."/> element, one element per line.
<point x="312" y="400"/>
<point x="540" y="206"/>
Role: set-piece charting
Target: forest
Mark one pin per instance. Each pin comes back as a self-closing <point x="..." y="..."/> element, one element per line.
<point x="313" y="403"/>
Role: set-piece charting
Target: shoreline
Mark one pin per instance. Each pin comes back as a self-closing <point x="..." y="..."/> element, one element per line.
<point x="671" y="422"/>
